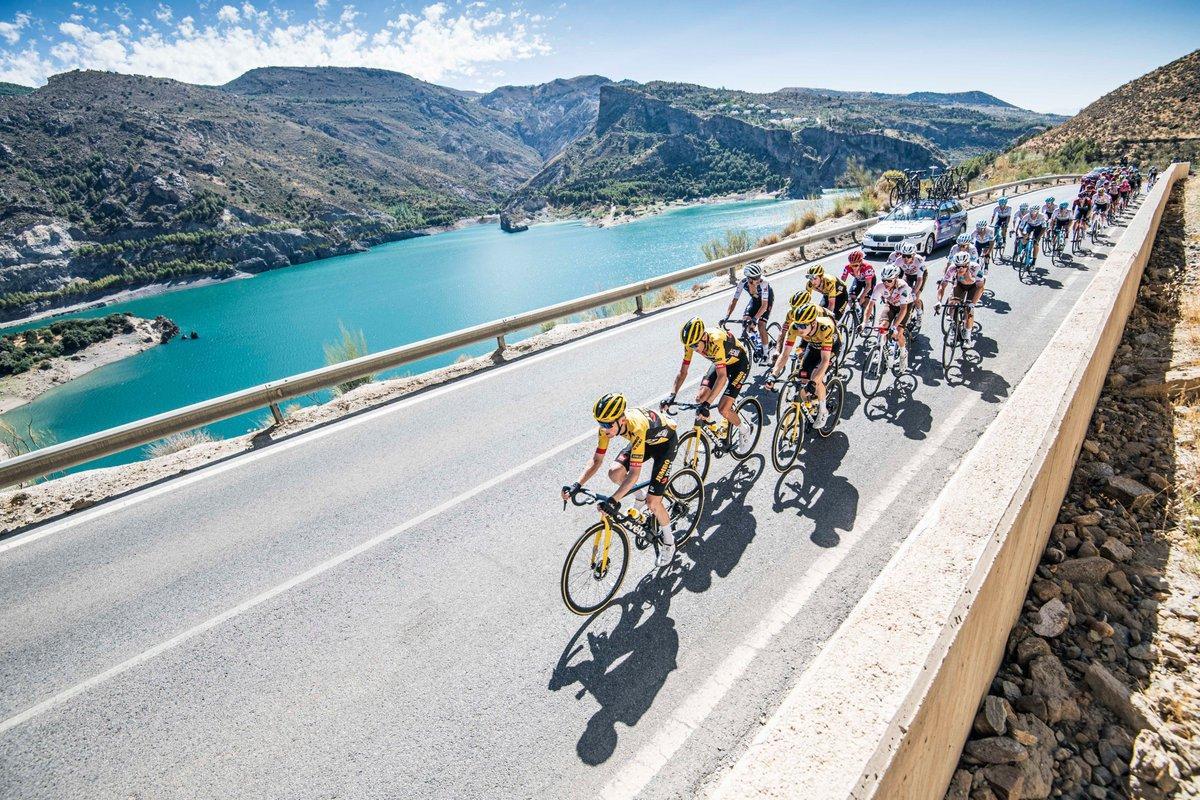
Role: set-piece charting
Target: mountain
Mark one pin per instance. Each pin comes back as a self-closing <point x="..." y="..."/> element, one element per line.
<point x="110" y="180"/>
<point x="1155" y="117"/>
<point x="665" y="141"/>
<point x="13" y="88"/>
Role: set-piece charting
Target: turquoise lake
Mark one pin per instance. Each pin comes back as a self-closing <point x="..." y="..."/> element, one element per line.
<point x="275" y="324"/>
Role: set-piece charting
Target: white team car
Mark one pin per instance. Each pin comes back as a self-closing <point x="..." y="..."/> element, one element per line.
<point x="926" y="223"/>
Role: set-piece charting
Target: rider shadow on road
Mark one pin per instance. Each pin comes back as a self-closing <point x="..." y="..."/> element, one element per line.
<point x="991" y="386"/>
<point x="628" y="665"/>
<point x="727" y="528"/>
<point x="828" y="499"/>
<point x="900" y="407"/>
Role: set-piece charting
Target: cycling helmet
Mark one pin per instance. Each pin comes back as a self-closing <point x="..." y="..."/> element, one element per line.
<point x="609" y="408"/>
<point x="692" y="332"/>
<point x="1049" y="201"/>
<point x="889" y="273"/>
<point x="1064" y="204"/>
<point x="803" y="315"/>
<point x="981" y="225"/>
<point x="1003" y="201"/>
<point x="856" y="256"/>
<point x="800" y="298"/>
<point x="752" y="271"/>
<point x="964" y="238"/>
<point x="908" y="249"/>
<point x="1024" y="207"/>
<point x="816" y="270"/>
<point x="961" y="259"/>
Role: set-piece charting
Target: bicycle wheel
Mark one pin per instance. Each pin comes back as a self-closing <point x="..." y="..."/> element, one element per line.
<point x="1047" y="248"/>
<point x="871" y="377"/>
<point x="786" y="394"/>
<point x="593" y="572"/>
<point x="750" y="412"/>
<point x="950" y="344"/>
<point x="694" y="452"/>
<point x="788" y="438"/>
<point x="896" y="194"/>
<point x="684" y="499"/>
<point x="835" y="396"/>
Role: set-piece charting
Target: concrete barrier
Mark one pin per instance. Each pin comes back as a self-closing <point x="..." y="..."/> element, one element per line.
<point x="884" y="709"/>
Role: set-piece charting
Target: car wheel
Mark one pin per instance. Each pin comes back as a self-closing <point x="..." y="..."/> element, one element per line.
<point x="930" y="244"/>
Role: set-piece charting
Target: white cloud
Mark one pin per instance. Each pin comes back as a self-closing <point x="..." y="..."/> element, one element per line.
<point x="320" y="4"/>
<point x="434" y="44"/>
<point x="10" y="32"/>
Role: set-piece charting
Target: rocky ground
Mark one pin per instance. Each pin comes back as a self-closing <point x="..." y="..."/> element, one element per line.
<point x="1099" y="692"/>
<point x="23" y="507"/>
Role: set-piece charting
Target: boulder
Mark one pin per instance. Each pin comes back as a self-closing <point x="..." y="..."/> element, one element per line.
<point x="1085" y="570"/>
<point x="1006" y="781"/>
<point x="1128" y="491"/>
<point x="1116" y="550"/>
<point x="1114" y="695"/>
<point x="996" y="750"/>
<point x="1053" y="619"/>
<point x="1050" y="682"/>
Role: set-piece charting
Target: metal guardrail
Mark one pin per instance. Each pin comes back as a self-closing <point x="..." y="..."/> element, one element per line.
<point x="61" y="456"/>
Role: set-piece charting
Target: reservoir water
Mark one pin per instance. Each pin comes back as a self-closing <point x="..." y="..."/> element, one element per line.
<point x="275" y="324"/>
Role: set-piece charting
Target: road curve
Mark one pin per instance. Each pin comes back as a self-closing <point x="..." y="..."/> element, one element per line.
<point x="372" y="609"/>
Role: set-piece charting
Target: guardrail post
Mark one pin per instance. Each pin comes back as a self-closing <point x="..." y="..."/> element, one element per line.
<point x="277" y="413"/>
<point x="641" y="307"/>
<point x="500" y="346"/>
<point x="732" y="275"/>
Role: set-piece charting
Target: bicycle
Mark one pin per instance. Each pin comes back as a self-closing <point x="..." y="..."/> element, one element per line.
<point x="883" y="356"/>
<point x="709" y="440"/>
<point x="1076" y="238"/>
<point x="1094" y="227"/>
<point x="1023" y="256"/>
<point x="999" y="240"/>
<point x="907" y="188"/>
<point x="591" y="576"/>
<point x="954" y="330"/>
<point x="749" y="339"/>
<point x="1058" y="244"/>
<point x="798" y="412"/>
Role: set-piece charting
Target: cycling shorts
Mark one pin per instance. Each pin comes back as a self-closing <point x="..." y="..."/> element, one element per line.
<point x="660" y="456"/>
<point x="736" y="371"/>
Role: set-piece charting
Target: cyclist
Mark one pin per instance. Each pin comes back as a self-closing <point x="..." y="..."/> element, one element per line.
<point x="964" y="275"/>
<point x="1061" y="220"/>
<point x="819" y="334"/>
<point x="1103" y="201"/>
<point x="762" y="298"/>
<point x="1020" y="217"/>
<point x="651" y="435"/>
<point x="859" y="277"/>
<point x="731" y="366"/>
<point x="1001" y="214"/>
<point x="1048" y="208"/>
<point x="912" y="270"/>
<point x="1081" y="210"/>
<point x="833" y="291"/>
<point x="892" y="300"/>
<point x="1151" y="177"/>
<point x="1124" y="189"/>
<point x="962" y="245"/>
<point x="983" y="237"/>
<point x="1033" y="226"/>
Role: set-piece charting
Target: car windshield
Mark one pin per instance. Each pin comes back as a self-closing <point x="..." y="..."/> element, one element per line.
<point x="912" y="213"/>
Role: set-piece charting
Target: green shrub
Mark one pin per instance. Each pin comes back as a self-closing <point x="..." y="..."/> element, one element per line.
<point x="350" y="346"/>
<point x="735" y="241"/>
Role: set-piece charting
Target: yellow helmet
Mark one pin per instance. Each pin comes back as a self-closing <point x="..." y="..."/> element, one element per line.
<point x="609" y="408"/>
<point x="692" y="332"/>
<point x="803" y="315"/>
<point x="800" y="298"/>
<point x="816" y="269"/>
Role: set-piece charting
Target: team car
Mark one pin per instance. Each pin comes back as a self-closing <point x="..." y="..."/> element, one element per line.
<point x="926" y="223"/>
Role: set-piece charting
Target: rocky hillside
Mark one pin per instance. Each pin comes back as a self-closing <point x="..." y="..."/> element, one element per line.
<point x="665" y="141"/>
<point x="1156" y="117"/>
<point x="13" y="88"/>
<point x="549" y="116"/>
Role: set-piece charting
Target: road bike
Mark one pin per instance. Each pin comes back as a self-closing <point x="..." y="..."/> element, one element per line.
<point x="999" y="239"/>
<point x="709" y="440"/>
<point x="798" y="413"/>
<point x="1023" y="256"/>
<point x="596" y="563"/>
<point x="1094" y="227"/>
<point x="882" y="357"/>
<point x="759" y="352"/>
<point x="954" y="331"/>
<point x="1058" y="243"/>
<point x="1076" y="238"/>
<point x="907" y="188"/>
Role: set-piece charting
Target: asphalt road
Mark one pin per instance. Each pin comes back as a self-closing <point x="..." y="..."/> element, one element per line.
<point x="372" y="610"/>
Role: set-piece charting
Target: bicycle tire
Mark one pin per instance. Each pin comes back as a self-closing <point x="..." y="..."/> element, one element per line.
<point x="835" y="398"/>
<point x="950" y="343"/>
<point x="698" y="456"/>
<point x="691" y="502"/>
<point x="743" y="450"/>
<point x="570" y="596"/>
<point x="789" y="431"/>
<point x="871" y="377"/>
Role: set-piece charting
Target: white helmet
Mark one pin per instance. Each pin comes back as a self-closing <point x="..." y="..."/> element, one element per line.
<point x="752" y="271"/>
<point x="908" y="249"/>
<point x="889" y="273"/>
<point x="964" y="238"/>
<point x="962" y="258"/>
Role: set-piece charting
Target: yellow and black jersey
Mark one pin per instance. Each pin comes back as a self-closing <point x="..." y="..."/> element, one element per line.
<point x="717" y="345"/>
<point x="641" y="427"/>
<point x="830" y="287"/>
<point x="824" y="333"/>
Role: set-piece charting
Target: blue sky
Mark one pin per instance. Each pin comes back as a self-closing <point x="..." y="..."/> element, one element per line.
<point x="1049" y="56"/>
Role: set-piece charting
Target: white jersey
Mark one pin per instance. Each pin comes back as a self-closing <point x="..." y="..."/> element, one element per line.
<point x="900" y="294"/>
<point x="911" y="269"/>
<point x="763" y="293"/>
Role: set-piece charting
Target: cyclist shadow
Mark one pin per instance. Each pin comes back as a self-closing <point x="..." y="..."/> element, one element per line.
<point x="727" y="528"/>
<point x="991" y="386"/>
<point x="998" y="306"/>
<point x="623" y="667"/>
<point x="828" y="499"/>
<point x="900" y="407"/>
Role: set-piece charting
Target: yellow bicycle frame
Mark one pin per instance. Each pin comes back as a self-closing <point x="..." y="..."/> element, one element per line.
<point x="607" y="540"/>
